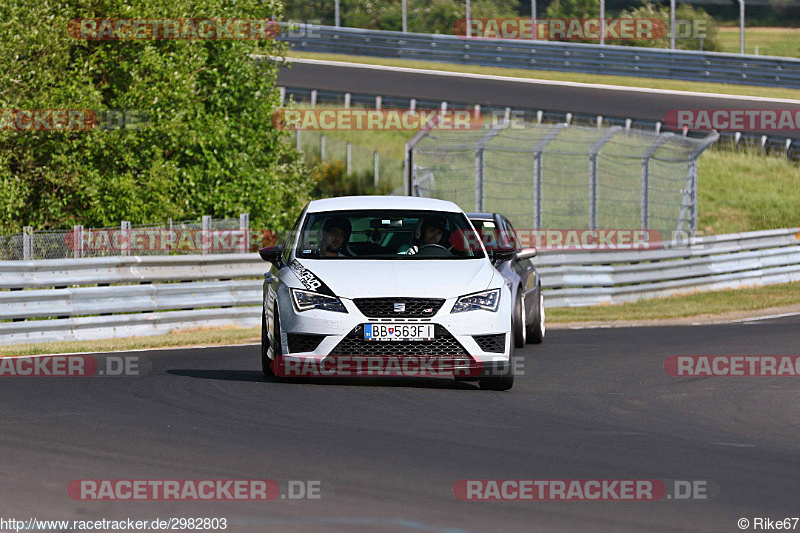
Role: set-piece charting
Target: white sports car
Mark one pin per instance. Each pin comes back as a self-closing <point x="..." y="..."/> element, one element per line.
<point x="382" y="281"/>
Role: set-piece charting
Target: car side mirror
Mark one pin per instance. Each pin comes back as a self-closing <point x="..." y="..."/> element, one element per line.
<point x="499" y="256"/>
<point x="272" y="254"/>
<point x="526" y="253"/>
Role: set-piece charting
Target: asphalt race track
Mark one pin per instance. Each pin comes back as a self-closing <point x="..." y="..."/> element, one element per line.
<point x="546" y="96"/>
<point x="593" y="404"/>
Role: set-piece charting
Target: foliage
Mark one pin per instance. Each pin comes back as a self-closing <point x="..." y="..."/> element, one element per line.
<point x="207" y="148"/>
<point x="330" y="180"/>
<point x="704" y="23"/>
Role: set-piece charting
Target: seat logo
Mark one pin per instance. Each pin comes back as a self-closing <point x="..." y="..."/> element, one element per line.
<point x="399" y="307"/>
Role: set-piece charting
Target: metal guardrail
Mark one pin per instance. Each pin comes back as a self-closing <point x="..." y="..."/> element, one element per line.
<point x="789" y="145"/>
<point x="151" y="295"/>
<point x="547" y="55"/>
<point x="705" y="263"/>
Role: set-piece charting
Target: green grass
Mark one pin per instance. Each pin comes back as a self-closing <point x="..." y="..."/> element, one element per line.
<point x="197" y="337"/>
<point x="770" y="41"/>
<point x="681" y="306"/>
<point x="747" y="191"/>
<point x="625" y="81"/>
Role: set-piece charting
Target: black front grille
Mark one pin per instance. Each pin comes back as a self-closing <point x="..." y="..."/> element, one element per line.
<point x="443" y="344"/>
<point x="385" y="307"/>
<point x="491" y="343"/>
<point x="303" y="342"/>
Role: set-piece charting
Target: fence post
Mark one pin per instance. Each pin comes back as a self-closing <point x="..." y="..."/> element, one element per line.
<point x="27" y="243"/>
<point x="645" y="202"/>
<point x="376" y="167"/>
<point x="282" y="91"/>
<point x="538" y="151"/>
<point x="593" y="173"/>
<point x="77" y="241"/>
<point x="206" y="233"/>
<point x="125" y="241"/>
<point x="349" y="158"/>
<point x="322" y="148"/>
<point x="480" y="163"/>
<point x="244" y="227"/>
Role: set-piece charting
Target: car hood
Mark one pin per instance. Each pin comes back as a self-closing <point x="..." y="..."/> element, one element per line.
<point x="410" y="278"/>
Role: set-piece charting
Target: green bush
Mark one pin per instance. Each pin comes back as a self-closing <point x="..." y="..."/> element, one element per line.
<point x="710" y="43"/>
<point x="330" y="179"/>
<point x="208" y="148"/>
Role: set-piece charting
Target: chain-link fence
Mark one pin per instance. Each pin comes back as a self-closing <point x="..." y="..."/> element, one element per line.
<point x="549" y="176"/>
<point x="204" y="236"/>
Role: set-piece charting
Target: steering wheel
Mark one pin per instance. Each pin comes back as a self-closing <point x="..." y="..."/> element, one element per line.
<point x="432" y="248"/>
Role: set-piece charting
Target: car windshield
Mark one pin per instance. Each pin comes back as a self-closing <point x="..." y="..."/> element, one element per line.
<point x="387" y="234"/>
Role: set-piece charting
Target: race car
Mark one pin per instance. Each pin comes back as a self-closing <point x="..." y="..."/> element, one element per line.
<point x="386" y="279"/>
<point x="528" y="318"/>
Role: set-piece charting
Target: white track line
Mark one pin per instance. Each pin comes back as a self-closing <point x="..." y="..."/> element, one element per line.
<point x="540" y="82"/>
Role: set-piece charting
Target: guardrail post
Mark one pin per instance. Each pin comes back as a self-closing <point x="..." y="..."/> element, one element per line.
<point x="347" y="100"/>
<point x="412" y="105"/>
<point x="378" y="103"/>
<point x="314" y="98"/>
<point x="125" y="237"/>
<point x="206" y="233"/>
<point x="244" y="227"/>
<point x="599" y="121"/>
<point x="539" y="115"/>
<point x="648" y="153"/>
<point x="376" y="165"/>
<point x="568" y="118"/>
<point x="538" y="151"/>
<point x="282" y="91"/>
<point x="27" y="243"/>
<point x="349" y="158"/>
<point x="593" y="173"/>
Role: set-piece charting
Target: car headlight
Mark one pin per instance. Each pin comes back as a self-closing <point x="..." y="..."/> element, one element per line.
<point x="305" y="300"/>
<point x="486" y="300"/>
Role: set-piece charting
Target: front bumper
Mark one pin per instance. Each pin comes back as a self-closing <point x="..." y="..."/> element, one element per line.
<point x="317" y="335"/>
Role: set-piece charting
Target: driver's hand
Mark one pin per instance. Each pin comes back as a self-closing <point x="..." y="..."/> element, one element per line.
<point x="412" y="250"/>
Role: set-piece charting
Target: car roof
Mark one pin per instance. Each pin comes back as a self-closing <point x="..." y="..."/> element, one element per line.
<point x="347" y="203"/>
<point x="481" y="216"/>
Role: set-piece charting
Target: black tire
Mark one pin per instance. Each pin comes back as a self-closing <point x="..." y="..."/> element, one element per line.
<point x="518" y="320"/>
<point x="266" y="362"/>
<point x="537" y="328"/>
<point x="500" y="380"/>
<point x="277" y="350"/>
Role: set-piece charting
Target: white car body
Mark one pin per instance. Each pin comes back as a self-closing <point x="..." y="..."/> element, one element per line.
<point x="396" y="279"/>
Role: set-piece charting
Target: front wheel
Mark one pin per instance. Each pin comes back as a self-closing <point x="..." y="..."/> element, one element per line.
<point x="266" y="362"/>
<point x="518" y="320"/>
<point x="536" y="329"/>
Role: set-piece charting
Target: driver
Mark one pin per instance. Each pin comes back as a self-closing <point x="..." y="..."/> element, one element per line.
<point x="431" y="230"/>
<point x="335" y="235"/>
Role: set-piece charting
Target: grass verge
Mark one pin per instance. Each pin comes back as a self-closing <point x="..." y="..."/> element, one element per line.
<point x="193" y="337"/>
<point x="770" y="41"/>
<point x="683" y="306"/>
<point x="624" y="81"/>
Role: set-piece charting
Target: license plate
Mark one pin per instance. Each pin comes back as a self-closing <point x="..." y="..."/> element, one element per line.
<point x="398" y="332"/>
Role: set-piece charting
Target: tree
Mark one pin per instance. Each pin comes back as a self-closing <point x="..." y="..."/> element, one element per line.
<point x="208" y="146"/>
<point x="694" y="27"/>
<point x="582" y="9"/>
